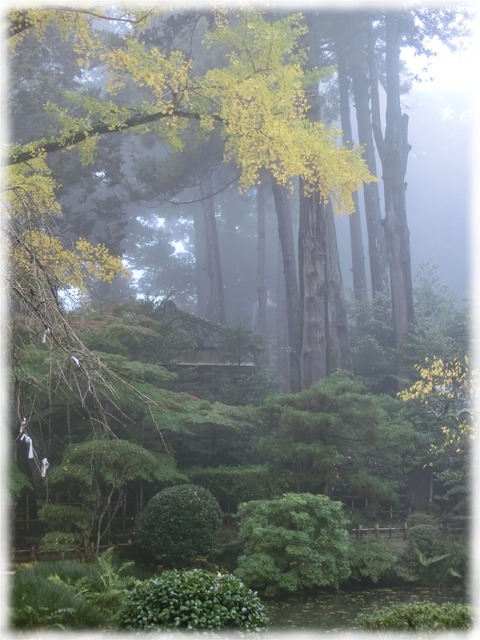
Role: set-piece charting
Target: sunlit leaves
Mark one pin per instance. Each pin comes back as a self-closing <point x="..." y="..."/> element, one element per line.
<point x="263" y="104"/>
<point x="446" y="387"/>
<point x="258" y="92"/>
<point x="72" y="267"/>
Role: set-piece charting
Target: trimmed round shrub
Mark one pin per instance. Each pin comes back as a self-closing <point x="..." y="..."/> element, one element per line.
<point x="418" y="616"/>
<point x="192" y="599"/>
<point x="180" y="522"/>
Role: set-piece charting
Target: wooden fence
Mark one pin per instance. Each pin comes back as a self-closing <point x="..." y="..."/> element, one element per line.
<point x="361" y="532"/>
<point x="455" y="525"/>
<point x="33" y="554"/>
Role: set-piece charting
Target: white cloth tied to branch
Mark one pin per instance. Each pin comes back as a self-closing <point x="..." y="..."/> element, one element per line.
<point x="28" y="440"/>
<point x="45" y="465"/>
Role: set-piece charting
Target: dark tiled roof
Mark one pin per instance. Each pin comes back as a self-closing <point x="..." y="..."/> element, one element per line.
<point x="207" y="334"/>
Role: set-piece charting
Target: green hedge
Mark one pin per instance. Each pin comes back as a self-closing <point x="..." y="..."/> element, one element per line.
<point x="192" y="599"/>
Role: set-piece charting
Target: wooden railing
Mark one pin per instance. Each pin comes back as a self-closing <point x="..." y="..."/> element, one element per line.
<point x="33" y="554"/>
<point x="456" y="525"/>
<point x="361" y="532"/>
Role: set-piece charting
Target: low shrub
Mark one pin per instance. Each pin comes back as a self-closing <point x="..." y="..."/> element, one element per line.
<point x="192" y="599"/>
<point x="419" y="517"/>
<point x="180" y="522"/>
<point x="431" y="556"/>
<point x="70" y="595"/>
<point x="418" y="616"/>
<point x="373" y="560"/>
<point x="39" y="603"/>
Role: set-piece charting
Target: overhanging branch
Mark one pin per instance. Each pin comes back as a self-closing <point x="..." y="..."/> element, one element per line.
<point x="100" y="129"/>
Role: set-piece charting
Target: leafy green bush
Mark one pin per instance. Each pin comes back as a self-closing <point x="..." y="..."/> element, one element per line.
<point x="418" y="616"/>
<point x="294" y="542"/>
<point x="192" y="599"/>
<point x="431" y="555"/>
<point x="373" y="560"/>
<point x="180" y="522"/>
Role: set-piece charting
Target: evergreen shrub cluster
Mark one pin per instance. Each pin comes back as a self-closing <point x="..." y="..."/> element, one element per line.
<point x="192" y="599"/>
<point x="418" y="616"/>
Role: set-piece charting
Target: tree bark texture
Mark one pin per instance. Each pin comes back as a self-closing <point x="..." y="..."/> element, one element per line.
<point x="261" y="265"/>
<point x="313" y="291"/>
<point x="285" y="232"/>
<point x="359" y="70"/>
<point x="356" y="240"/>
<point x="338" y="348"/>
<point x="216" y="299"/>
<point x="283" y="358"/>
<point x="201" y="267"/>
<point x="394" y="162"/>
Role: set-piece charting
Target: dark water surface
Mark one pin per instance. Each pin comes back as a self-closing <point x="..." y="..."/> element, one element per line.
<point x="337" y="611"/>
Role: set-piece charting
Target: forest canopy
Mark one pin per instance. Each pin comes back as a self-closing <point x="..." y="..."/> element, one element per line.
<point x="171" y="187"/>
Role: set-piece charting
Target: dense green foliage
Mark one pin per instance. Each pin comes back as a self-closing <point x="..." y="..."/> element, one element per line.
<point x="236" y="484"/>
<point x="374" y="561"/>
<point x="336" y="438"/>
<point x="431" y="555"/>
<point x="91" y="476"/>
<point x="180" y="522"/>
<point x="38" y="603"/>
<point x="418" y="616"/>
<point x="70" y="595"/>
<point x="294" y="542"/>
<point x="193" y="599"/>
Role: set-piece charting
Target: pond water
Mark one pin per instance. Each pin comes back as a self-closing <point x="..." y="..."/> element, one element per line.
<point x="337" y="611"/>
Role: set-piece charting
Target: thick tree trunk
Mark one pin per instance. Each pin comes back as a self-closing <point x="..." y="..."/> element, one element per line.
<point x="283" y="349"/>
<point x="201" y="266"/>
<point x="313" y="291"/>
<point x="356" y="240"/>
<point x="358" y="67"/>
<point x="338" y="349"/>
<point x="394" y="162"/>
<point x="216" y="299"/>
<point x="261" y="266"/>
<point x="285" y="231"/>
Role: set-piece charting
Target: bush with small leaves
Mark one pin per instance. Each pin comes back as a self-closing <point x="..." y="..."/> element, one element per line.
<point x="373" y="561"/>
<point x="192" y="599"/>
<point x="180" y="522"/>
<point x="298" y="541"/>
<point x="418" y="616"/>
